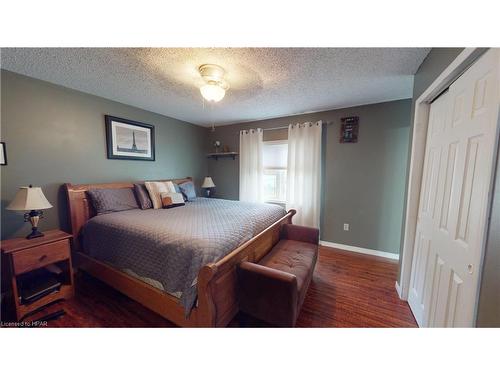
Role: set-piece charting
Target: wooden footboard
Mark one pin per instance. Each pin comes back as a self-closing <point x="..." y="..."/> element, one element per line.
<point x="217" y="283"/>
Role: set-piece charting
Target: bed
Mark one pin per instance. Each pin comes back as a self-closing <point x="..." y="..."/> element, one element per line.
<point x="180" y="262"/>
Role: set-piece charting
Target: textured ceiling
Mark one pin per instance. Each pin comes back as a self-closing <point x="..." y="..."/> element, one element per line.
<point x="265" y="82"/>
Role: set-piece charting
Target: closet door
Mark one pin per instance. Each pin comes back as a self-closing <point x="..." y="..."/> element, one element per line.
<point x="461" y="145"/>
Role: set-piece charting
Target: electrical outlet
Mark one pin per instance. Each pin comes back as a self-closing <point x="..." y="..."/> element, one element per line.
<point x="346" y="226"/>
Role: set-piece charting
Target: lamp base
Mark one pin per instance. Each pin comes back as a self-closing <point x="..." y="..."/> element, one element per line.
<point x="34" y="217"/>
<point x="35" y="233"/>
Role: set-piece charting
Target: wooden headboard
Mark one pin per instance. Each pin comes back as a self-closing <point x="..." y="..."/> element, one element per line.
<point x="80" y="208"/>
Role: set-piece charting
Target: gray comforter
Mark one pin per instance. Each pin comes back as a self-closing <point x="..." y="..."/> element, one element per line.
<point x="170" y="246"/>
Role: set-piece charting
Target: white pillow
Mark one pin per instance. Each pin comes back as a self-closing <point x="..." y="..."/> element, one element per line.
<point x="155" y="188"/>
<point x="169" y="200"/>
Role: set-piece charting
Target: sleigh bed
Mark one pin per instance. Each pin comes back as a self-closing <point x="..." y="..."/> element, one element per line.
<point x="215" y="284"/>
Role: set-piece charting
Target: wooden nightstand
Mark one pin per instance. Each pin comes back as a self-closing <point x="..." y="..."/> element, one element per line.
<point x="21" y="256"/>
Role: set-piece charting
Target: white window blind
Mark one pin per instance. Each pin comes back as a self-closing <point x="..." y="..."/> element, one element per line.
<point x="275" y="155"/>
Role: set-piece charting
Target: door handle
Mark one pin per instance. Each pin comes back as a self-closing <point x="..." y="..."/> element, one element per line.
<point x="470" y="268"/>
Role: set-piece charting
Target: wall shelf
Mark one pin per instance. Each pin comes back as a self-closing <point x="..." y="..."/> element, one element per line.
<point x="217" y="155"/>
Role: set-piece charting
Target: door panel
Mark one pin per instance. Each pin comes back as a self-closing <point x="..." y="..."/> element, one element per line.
<point x="450" y="181"/>
<point x="424" y="261"/>
<point x="458" y="165"/>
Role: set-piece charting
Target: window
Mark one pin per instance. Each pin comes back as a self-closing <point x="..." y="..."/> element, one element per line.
<point x="275" y="162"/>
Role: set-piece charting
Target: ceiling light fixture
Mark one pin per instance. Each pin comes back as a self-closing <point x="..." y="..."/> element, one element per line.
<point x="215" y="86"/>
<point x="212" y="92"/>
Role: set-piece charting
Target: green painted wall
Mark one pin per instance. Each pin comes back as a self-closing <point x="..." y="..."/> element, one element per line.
<point x="363" y="183"/>
<point x="56" y="135"/>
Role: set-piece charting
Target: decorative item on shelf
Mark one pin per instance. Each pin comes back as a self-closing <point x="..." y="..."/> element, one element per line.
<point x="217" y="145"/>
<point x="349" y="129"/>
<point x="3" y="154"/>
<point x="225" y="149"/>
<point x="208" y="184"/>
<point x="30" y="199"/>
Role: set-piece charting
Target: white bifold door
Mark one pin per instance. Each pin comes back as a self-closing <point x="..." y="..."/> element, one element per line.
<point x="454" y="197"/>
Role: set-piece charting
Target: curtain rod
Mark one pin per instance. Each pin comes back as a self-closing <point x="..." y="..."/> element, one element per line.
<point x="264" y="129"/>
<point x="276" y="128"/>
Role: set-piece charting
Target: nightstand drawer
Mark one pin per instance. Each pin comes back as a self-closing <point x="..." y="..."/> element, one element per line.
<point x="37" y="257"/>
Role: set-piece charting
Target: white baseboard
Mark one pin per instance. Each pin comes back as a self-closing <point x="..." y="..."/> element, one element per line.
<point x="361" y="250"/>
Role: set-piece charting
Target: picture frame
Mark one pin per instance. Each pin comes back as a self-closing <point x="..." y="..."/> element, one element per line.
<point x="349" y="129"/>
<point x="129" y="140"/>
<point x="3" y="153"/>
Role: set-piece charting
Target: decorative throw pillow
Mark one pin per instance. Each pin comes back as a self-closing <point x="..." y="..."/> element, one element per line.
<point x="142" y="195"/>
<point x="112" y="200"/>
<point x="178" y="190"/>
<point x="170" y="200"/>
<point x="188" y="190"/>
<point x="155" y="188"/>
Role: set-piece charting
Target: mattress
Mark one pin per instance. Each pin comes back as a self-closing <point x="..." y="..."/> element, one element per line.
<point x="170" y="246"/>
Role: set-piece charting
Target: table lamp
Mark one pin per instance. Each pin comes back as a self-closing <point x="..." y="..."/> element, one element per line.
<point x="208" y="184"/>
<point x="30" y="199"/>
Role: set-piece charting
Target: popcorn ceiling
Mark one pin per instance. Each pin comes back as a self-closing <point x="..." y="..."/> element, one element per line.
<point x="265" y="82"/>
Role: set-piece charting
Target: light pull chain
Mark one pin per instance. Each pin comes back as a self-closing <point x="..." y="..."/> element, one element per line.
<point x="211" y="110"/>
<point x="212" y="116"/>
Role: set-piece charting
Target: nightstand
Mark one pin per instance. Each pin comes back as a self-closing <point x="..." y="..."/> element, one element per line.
<point x="22" y="257"/>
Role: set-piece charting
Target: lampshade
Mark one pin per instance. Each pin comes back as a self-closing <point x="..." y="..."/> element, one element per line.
<point x="208" y="183"/>
<point x="29" y="198"/>
<point x="212" y="92"/>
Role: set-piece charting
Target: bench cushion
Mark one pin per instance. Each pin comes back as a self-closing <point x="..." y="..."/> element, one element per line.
<point x="274" y="289"/>
<point x="295" y="257"/>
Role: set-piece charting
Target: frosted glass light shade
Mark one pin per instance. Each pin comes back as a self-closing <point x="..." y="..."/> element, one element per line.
<point x="208" y="183"/>
<point x="212" y="92"/>
<point x="29" y="198"/>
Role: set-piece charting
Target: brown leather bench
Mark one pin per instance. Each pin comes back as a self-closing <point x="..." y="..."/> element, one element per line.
<point x="274" y="289"/>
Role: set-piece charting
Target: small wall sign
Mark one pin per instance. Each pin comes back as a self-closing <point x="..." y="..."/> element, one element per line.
<point x="349" y="129"/>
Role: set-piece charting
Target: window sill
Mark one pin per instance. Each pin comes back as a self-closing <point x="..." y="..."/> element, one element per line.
<point x="276" y="202"/>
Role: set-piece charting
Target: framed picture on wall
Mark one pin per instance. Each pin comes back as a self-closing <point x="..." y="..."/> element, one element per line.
<point x="129" y="140"/>
<point x="3" y="154"/>
<point x="349" y="129"/>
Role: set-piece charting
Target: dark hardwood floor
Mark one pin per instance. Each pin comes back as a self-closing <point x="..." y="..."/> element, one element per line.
<point x="354" y="290"/>
<point x="348" y="290"/>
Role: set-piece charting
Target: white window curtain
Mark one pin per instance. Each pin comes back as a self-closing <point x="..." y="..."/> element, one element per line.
<point x="251" y="165"/>
<point x="304" y="172"/>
